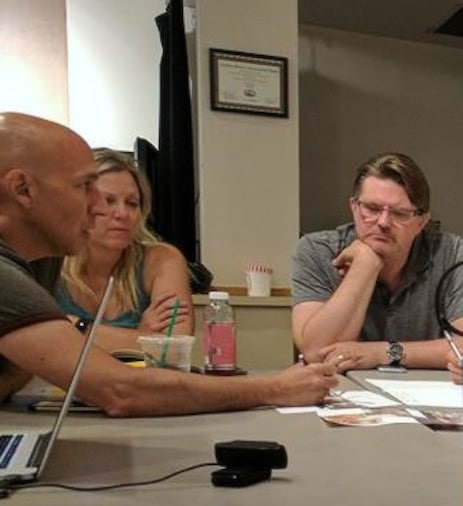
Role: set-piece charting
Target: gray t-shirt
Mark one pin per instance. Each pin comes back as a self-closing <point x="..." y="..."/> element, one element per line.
<point x="408" y="314"/>
<point x="25" y="291"/>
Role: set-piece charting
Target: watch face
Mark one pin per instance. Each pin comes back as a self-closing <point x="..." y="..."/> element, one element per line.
<point x="395" y="352"/>
<point x="82" y="325"/>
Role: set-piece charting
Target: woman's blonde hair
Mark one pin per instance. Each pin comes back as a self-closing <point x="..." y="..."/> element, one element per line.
<point x="125" y="271"/>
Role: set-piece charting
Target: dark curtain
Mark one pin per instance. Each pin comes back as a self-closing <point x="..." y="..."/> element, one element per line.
<point x="147" y="159"/>
<point x="175" y="197"/>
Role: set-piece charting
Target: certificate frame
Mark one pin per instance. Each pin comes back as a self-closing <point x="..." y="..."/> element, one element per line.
<point x="248" y="83"/>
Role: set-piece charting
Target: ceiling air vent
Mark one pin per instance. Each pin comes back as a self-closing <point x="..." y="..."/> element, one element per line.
<point x="453" y="25"/>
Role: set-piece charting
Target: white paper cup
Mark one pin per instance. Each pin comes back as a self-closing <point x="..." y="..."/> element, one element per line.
<point x="172" y="352"/>
<point x="258" y="283"/>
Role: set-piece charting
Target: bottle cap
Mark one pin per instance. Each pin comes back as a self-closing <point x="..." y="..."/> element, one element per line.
<point x="218" y="296"/>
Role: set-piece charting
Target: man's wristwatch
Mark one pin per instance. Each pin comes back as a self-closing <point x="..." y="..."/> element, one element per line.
<point x="396" y="353"/>
<point x="82" y="325"/>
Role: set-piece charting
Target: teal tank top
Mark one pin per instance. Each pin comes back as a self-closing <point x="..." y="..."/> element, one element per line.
<point x="129" y="319"/>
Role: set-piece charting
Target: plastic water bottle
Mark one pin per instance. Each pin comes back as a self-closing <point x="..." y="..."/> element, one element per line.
<point x="219" y="335"/>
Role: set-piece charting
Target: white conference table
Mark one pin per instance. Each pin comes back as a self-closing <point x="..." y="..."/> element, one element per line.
<point x="345" y="466"/>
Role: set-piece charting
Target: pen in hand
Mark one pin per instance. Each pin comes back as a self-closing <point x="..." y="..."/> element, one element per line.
<point x="454" y="347"/>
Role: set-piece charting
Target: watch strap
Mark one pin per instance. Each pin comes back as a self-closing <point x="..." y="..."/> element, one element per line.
<point x="395" y="362"/>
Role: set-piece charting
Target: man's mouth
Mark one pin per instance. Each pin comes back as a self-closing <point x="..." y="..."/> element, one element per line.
<point x="380" y="237"/>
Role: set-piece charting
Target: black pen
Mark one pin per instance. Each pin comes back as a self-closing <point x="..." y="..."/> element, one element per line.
<point x="454" y="347"/>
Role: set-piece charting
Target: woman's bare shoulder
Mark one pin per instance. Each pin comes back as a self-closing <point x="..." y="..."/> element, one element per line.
<point x="162" y="252"/>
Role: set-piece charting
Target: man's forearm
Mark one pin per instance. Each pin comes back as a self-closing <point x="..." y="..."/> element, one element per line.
<point x="342" y="316"/>
<point x="164" y="392"/>
<point x="151" y="391"/>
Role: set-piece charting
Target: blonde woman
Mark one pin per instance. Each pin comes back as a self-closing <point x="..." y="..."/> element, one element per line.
<point x="150" y="275"/>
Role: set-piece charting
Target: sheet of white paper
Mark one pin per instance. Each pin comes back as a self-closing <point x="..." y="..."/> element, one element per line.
<point x="367" y="399"/>
<point x="443" y="394"/>
<point x="344" y="411"/>
<point x="297" y="409"/>
<point x="356" y="398"/>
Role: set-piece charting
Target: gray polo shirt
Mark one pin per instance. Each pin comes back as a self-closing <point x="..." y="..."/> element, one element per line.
<point x="25" y="293"/>
<point x="406" y="315"/>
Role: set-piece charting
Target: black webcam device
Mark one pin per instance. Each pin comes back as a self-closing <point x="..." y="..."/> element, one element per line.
<point x="257" y="454"/>
<point x="247" y="462"/>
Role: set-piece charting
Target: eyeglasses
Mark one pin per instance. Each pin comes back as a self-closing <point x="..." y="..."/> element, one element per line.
<point x="370" y="211"/>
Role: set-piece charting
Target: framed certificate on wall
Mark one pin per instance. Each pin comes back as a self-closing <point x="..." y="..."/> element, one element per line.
<point x="248" y="83"/>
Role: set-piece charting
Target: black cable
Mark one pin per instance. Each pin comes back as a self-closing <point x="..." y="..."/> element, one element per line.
<point x="439" y="305"/>
<point x="22" y="486"/>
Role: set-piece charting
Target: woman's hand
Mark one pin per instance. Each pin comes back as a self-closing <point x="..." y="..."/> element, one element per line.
<point x="158" y="314"/>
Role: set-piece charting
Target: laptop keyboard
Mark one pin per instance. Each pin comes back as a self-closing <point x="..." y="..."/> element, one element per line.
<point x="8" y="446"/>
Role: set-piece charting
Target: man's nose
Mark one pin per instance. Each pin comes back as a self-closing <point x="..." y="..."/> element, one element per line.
<point x="384" y="217"/>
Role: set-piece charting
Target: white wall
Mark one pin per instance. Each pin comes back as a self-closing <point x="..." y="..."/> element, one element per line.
<point x="113" y="60"/>
<point x="33" y="75"/>
<point x="361" y="95"/>
<point x="248" y="165"/>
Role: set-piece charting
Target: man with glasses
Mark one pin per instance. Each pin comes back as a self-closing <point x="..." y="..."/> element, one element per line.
<point x="364" y="292"/>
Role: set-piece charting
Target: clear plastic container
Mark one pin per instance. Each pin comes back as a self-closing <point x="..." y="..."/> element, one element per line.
<point x="219" y="335"/>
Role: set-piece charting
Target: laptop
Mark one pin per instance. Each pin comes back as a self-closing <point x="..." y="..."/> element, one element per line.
<point x="23" y="455"/>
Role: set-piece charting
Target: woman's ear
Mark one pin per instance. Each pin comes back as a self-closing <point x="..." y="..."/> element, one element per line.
<point x="19" y="185"/>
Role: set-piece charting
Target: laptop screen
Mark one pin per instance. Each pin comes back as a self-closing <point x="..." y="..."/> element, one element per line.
<point x="76" y="374"/>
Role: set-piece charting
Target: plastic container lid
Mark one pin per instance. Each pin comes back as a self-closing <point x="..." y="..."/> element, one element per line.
<point x="218" y="296"/>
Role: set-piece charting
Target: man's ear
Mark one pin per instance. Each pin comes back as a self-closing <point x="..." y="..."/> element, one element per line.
<point x="19" y="185"/>
<point x="352" y="203"/>
<point x="425" y="218"/>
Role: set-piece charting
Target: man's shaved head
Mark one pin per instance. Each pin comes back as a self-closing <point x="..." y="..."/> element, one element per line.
<point x="32" y="143"/>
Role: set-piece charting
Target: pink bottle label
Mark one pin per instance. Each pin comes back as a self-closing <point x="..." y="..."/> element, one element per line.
<point x="219" y="346"/>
